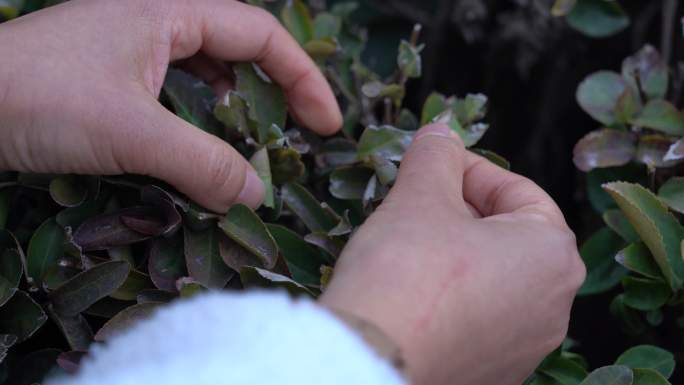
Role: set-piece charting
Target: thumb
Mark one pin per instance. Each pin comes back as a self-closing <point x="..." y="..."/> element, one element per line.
<point x="432" y="168"/>
<point x="204" y="167"/>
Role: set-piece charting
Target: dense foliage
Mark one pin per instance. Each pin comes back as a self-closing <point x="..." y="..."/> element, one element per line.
<point x="84" y="257"/>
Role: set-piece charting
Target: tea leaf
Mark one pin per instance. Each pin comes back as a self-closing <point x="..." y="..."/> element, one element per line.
<point x="286" y="165"/>
<point x="232" y="112"/>
<point x="192" y="100"/>
<point x="331" y="245"/>
<point x="68" y="191"/>
<point x="631" y="321"/>
<point x="136" y="282"/>
<point x="203" y="259"/>
<point x="338" y="152"/>
<point x="21" y="316"/>
<point x="598" y="18"/>
<point x="297" y="19"/>
<point x="659" y="230"/>
<point x="261" y="164"/>
<point x="120" y="228"/>
<point x="44" y="249"/>
<point x="652" y="149"/>
<point x="70" y="361"/>
<point x="563" y="370"/>
<point x="598" y="95"/>
<point x="266" y="100"/>
<point x="610" y="375"/>
<point x="602" y="271"/>
<point x="434" y="105"/>
<point x="617" y="221"/>
<point x="651" y="71"/>
<point x="645" y="293"/>
<point x="125" y="320"/>
<point x="649" y="377"/>
<point x="384" y="141"/>
<point x="320" y="49"/>
<point x="637" y="258"/>
<point x="303" y="261"/>
<point x="648" y="357"/>
<point x="86" y="288"/>
<point x="243" y="226"/>
<point x="662" y="116"/>
<point x="256" y="277"/>
<point x="307" y="208"/>
<point x="75" y="329"/>
<point x="349" y="182"/>
<point x="327" y="25"/>
<point x="470" y="135"/>
<point x="604" y="148"/>
<point x="672" y="193"/>
<point x="166" y="262"/>
<point x="409" y="60"/>
<point x="10" y="273"/>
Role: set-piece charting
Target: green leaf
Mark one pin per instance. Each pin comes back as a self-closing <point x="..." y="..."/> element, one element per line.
<point x="645" y="293"/>
<point x="136" y="282"/>
<point x="321" y="49"/>
<point x="349" y="182"/>
<point x="88" y="287"/>
<point x="656" y="226"/>
<point x="286" y="165"/>
<point x="385" y="141"/>
<point x="192" y="100"/>
<point x="470" y="109"/>
<point x="10" y="9"/>
<point x="327" y="25"/>
<point x="564" y="370"/>
<point x="10" y="273"/>
<point x="562" y="7"/>
<point x="637" y="258"/>
<point x="166" y="262"/>
<point x="662" y="116"/>
<point x="122" y="227"/>
<point x="409" y="60"/>
<point x="45" y="249"/>
<point x="598" y="18"/>
<point x="648" y="357"/>
<point x="300" y="201"/>
<point x="610" y="375"/>
<point x="126" y="319"/>
<point x="243" y="226"/>
<point x="203" y="259"/>
<point x="631" y="321"/>
<point x="297" y="19"/>
<point x="68" y="191"/>
<point x="232" y="111"/>
<point x="651" y="70"/>
<point x="262" y="165"/>
<point x="652" y="150"/>
<point x="256" y="277"/>
<point x="434" y="105"/>
<point x="604" y="148"/>
<point x="598" y="95"/>
<point x="672" y="193"/>
<point x="469" y="134"/>
<point x="649" y="377"/>
<point x="303" y="261"/>
<point x="338" y="152"/>
<point x="597" y="253"/>
<point x="330" y="244"/>
<point x="21" y="316"/>
<point x="493" y="157"/>
<point x="598" y="197"/>
<point x="266" y="100"/>
<point x="617" y="221"/>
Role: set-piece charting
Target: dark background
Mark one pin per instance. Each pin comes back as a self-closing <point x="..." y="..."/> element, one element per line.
<point x="529" y="65"/>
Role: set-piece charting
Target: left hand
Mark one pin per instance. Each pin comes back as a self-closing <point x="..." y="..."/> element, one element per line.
<point x="79" y="84"/>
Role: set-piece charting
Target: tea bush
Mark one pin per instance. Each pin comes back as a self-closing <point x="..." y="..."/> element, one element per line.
<point x="84" y="257"/>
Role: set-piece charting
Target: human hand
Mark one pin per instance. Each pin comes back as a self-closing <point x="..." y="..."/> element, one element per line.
<point x="78" y="94"/>
<point x="471" y="269"/>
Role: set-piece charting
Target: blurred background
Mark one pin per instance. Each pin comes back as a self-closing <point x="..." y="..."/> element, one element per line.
<point x="529" y="64"/>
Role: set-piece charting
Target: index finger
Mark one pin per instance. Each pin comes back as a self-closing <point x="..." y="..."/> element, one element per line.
<point x="232" y="31"/>
<point x="493" y="190"/>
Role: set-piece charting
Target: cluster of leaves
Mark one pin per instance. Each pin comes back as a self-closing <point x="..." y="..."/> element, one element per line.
<point x="90" y="255"/>
<point x="632" y="163"/>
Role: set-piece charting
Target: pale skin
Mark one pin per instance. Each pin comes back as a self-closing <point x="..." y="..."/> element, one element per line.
<point x="471" y="269"/>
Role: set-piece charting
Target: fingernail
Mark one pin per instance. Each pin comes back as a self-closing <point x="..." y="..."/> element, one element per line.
<point x="437" y="129"/>
<point x="253" y="191"/>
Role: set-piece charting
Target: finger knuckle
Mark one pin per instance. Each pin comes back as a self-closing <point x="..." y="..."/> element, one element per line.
<point x="226" y="175"/>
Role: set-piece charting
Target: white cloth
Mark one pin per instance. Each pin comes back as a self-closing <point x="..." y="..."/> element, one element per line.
<point x="262" y="338"/>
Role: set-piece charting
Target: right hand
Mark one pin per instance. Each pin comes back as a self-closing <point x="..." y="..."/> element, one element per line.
<point x="470" y="268"/>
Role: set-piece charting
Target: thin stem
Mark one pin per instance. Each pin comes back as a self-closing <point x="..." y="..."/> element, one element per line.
<point x="669" y="14"/>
